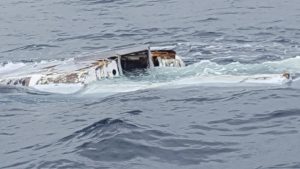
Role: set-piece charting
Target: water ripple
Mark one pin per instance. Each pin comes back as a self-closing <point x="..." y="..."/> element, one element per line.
<point x="31" y="47"/>
<point x="258" y="118"/>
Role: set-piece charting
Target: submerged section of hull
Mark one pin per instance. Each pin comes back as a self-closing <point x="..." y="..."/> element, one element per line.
<point x="137" y="69"/>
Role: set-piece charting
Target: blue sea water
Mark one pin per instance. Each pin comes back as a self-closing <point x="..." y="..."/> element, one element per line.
<point x="195" y="126"/>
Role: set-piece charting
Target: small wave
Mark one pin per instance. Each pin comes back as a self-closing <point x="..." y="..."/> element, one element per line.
<point x="258" y="118"/>
<point x="134" y="112"/>
<point x="16" y="165"/>
<point x="61" y="163"/>
<point x="292" y="165"/>
<point x="197" y="99"/>
<point x="95" y="2"/>
<point x="99" y="128"/>
<point x="278" y="114"/>
<point x="205" y="34"/>
<point x="31" y="47"/>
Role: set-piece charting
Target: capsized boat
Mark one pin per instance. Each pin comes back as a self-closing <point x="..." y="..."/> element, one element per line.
<point x="72" y="75"/>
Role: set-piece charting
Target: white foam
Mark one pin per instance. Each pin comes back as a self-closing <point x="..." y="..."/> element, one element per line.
<point x="59" y="88"/>
<point x="119" y="86"/>
<point x="6" y="68"/>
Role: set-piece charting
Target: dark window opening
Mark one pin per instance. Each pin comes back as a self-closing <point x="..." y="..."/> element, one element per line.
<point x="134" y="61"/>
<point x="114" y="72"/>
<point x="155" y="61"/>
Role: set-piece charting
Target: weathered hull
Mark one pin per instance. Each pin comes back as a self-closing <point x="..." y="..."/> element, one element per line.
<point x="74" y="74"/>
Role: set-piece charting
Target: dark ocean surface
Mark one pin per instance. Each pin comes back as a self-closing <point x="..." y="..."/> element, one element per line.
<point x="196" y="126"/>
